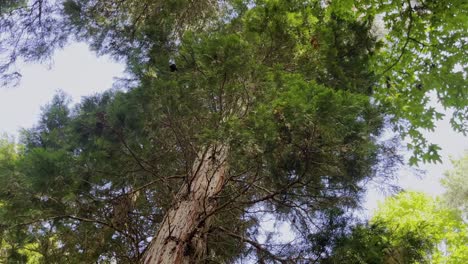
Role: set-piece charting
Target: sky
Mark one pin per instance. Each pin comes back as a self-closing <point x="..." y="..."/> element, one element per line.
<point x="75" y="70"/>
<point x="78" y="72"/>
<point x="453" y="147"/>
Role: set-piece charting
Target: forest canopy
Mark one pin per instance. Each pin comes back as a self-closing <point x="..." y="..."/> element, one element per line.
<point x="233" y="111"/>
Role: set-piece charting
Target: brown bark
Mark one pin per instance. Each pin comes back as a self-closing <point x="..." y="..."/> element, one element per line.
<point x="181" y="237"/>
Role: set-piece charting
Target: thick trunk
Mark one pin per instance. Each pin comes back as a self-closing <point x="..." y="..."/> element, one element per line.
<point x="181" y="237"/>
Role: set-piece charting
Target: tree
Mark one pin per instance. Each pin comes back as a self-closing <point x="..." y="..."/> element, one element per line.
<point x="408" y="228"/>
<point x="276" y="107"/>
<point x="456" y="182"/>
<point x="29" y="31"/>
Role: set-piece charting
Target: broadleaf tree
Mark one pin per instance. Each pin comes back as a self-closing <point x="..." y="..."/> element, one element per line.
<point x="455" y="182"/>
<point x="233" y="110"/>
<point x="409" y="227"/>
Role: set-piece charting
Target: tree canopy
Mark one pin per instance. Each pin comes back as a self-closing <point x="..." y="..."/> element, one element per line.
<point x="419" y="51"/>
<point x="408" y="228"/>
<point x="456" y="183"/>
<point x="281" y="104"/>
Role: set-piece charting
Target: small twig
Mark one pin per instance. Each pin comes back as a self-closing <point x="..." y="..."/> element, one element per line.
<point x="408" y="38"/>
<point x="253" y="243"/>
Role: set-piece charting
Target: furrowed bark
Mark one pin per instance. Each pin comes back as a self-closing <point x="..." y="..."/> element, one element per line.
<point x="181" y="237"/>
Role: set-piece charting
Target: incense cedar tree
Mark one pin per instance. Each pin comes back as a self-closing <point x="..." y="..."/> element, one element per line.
<point x="275" y="111"/>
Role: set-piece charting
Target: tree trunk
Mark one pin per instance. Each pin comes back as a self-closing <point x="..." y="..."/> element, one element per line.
<point x="181" y="237"/>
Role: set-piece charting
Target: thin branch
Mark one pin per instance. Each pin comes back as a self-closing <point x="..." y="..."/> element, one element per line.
<point x="255" y="244"/>
<point x="408" y="38"/>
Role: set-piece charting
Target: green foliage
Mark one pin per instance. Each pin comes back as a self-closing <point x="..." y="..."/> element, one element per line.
<point x="15" y="246"/>
<point x="298" y="90"/>
<point x="408" y="228"/>
<point x="456" y="183"/>
<point x="306" y="125"/>
<point x="420" y="52"/>
<point x="29" y="31"/>
<point x="421" y="215"/>
<point x="424" y="56"/>
<point x="9" y="5"/>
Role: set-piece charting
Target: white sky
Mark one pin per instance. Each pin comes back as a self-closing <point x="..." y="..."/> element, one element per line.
<point x="75" y="70"/>
<point x="78" y="72"/>
<point x="453" y="146"/>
